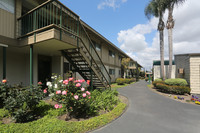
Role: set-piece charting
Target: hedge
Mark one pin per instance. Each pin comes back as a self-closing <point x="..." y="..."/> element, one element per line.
<point x="121" y="81"/>
<point x="155" y="83"/>
<point x="173" y="89"/>
<point x="158" y="80"/>
<point x="176" y="82"/>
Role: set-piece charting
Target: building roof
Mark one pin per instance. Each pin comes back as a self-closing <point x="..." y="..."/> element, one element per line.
<point x="188" y="54"/>
<point x="106" y="40"/>
<point x="166" y="62"/>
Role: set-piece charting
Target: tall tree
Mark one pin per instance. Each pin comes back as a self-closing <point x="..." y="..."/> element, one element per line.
<point x="125" y="63"/>
<point x="157" y="8"/>
<point x="170" y="25"/>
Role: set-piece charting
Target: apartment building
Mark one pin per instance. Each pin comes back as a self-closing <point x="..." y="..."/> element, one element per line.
<point x="41" y="37"/>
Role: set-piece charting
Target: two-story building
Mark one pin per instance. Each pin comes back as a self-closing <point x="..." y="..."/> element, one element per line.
<point x="41" y="37"/>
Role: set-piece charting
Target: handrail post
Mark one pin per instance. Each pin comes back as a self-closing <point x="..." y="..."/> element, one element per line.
<point x="4" y="62"/>
<point x="31" y="65"/>
<point x="78" y="32"/>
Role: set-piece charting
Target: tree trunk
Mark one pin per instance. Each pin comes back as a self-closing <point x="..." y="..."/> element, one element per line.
<point x="162" y="55"/>
<point x="170" y="26"/>
<point x="170" y="52"/>
<point x="124" y="74"/>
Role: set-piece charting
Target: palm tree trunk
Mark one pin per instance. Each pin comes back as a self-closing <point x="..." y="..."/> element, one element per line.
<point x="162" y="55"/>
<point x="170" y="52"/>
<point x="170" y="26"/>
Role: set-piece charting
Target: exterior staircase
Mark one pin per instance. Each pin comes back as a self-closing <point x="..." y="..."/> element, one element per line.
<point x="82" y="64"/>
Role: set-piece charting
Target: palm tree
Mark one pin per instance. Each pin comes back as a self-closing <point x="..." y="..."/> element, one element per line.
<point x="157" y="8"/>
<point x="170" y="25"/>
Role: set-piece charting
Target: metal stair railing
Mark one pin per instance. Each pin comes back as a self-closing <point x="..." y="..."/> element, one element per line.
<point x="53" y="14"/>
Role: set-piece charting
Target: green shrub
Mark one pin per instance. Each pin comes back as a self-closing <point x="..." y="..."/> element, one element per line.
<point x="104" y="100"/>
<point x="128" y="81"/>
<point x="176" y="82"/>
<point x="22" y="102"/>
<point x="120" y="81"/>
<point x="133" y="79"/>
<point x="3" y="92"/>
<point x="155" y="83"/>
<point x="158" y="80"/>
<point x="173" y="89"/>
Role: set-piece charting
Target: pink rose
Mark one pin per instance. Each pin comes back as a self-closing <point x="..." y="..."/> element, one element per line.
<point x="70" y="79"/>
<point x="89" y="97"/>
<point x="65" y="82"/>
<point x="58" y="92"/>
<point x="82" y="80"/>
<point x="45" y="90"/>
<point x="39" y="83"/>
<point x="88" y="93"/>
<point x="76" y="97"/>
<point x="84" y="95"/>
<point x="4" y="81"/>
<point x="64" y="93"/>
<point x="82" y="89"/>
<point x="56" y="106"/>
<point x="60" y="106"/>
<point x="78" y="85"/>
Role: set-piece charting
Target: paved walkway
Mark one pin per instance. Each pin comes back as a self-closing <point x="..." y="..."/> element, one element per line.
<point x="149" y="112"/>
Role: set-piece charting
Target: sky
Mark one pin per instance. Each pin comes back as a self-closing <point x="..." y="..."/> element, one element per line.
<point x="124" y="24"/>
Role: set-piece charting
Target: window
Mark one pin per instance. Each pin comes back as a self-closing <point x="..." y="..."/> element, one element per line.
<point x="112" y="54"/>
<point x="8" y="5"/>
<point x="97" y="46"/>
<point x="112" y="71"/>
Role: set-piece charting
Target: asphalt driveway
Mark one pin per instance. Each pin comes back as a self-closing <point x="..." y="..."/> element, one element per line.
<point x="149" y="112"/>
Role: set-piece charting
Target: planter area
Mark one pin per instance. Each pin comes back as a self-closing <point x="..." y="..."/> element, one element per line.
<point x="181" y="95"/>
<point x="70" y="107"/>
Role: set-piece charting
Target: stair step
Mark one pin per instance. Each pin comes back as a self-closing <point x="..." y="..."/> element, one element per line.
<point x="76" y="56"/>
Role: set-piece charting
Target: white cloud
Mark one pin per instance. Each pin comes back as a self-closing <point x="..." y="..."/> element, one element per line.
<point x="111" y="3"/>
<point x="185" y="35"/>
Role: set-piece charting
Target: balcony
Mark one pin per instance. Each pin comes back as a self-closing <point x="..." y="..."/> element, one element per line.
<point x="51" y="27"/>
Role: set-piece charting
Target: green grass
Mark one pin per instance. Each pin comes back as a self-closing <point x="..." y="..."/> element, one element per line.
<point x="49" y="124"/>
<point x="149" y="85"/>
<point x="115" y="86"/>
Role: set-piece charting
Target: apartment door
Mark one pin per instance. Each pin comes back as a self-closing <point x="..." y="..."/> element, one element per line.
<point x="44" y="69"/>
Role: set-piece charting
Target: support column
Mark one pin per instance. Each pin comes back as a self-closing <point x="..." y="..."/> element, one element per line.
<point x="137" y="73"/>
<point x="4" y="62"/>
<point x="31" y="65"/>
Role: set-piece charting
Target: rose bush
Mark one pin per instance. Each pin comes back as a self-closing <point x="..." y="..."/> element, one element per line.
<point x="73" y="95"/>
<point x="22" y="102"/>
<point x="3" y="92"/>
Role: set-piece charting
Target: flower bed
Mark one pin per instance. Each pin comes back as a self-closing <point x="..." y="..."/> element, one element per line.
<point x="71" y="97"/>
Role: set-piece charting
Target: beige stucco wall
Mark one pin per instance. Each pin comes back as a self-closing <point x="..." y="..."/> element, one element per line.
<point x="157" y="74"/>
<point x="17" y="65"/>
<point x="195" y="74"/>
<point x="7" y="23"/>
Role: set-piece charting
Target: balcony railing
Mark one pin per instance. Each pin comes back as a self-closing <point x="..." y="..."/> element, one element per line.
<point x="53" y="14"/>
